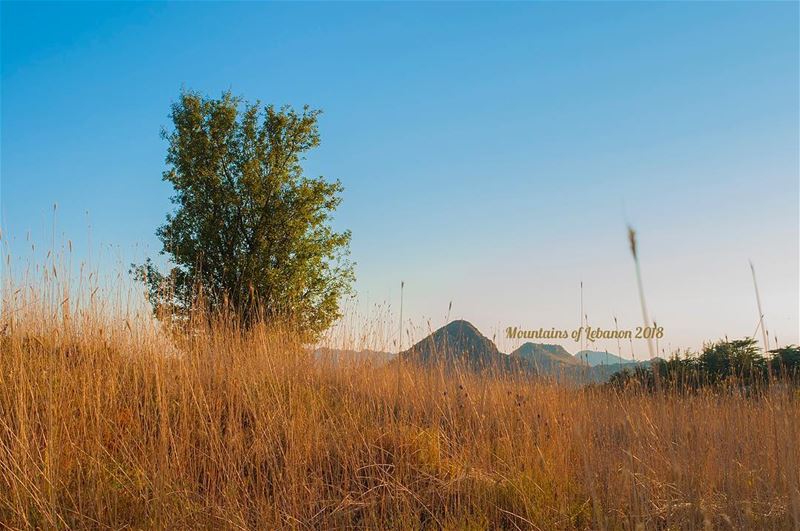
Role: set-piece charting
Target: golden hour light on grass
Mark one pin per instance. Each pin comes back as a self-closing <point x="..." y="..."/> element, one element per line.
<point x="399" y="266"/>
<point x="107" y="417"/>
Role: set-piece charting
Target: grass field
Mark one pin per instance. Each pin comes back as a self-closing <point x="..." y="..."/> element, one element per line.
<point x="105" y="422"/>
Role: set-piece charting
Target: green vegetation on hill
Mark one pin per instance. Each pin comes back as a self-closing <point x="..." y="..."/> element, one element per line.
<point x="738" y="362"/>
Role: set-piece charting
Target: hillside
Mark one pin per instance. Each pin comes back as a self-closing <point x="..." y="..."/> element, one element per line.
<point x="547" y="359"/>
<point x="460" y="343"/>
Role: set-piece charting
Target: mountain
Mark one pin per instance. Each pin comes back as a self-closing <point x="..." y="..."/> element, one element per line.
<point x="460" y="343"/>
<point x="548" y="359"/>
<point x="595" y="358"/>
<point x="456" y="341"/>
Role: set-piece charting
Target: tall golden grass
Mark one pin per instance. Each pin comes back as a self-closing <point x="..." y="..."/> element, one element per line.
<point x="107" y="421"/>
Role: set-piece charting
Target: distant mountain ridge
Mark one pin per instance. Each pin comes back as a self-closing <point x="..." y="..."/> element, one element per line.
<point x="461" y="343"/>
<point x="341" y="355"/>
<point x="596" y="357"/>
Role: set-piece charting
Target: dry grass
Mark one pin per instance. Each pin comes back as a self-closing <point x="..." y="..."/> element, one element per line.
<point x="105" y="422"/>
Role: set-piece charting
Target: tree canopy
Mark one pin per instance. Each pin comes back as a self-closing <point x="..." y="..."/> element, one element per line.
<point x="250" y="232"/>
<point x="738" y="361"/>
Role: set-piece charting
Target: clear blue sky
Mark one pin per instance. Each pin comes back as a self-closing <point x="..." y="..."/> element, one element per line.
<point x="491" y="153"/>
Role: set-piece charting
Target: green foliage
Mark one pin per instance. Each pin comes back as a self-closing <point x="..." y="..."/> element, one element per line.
<point x="786" y="361"/>
<point x="250" y="233"/>
<point x="739" y="361"/>
<point x="725" y="359"/>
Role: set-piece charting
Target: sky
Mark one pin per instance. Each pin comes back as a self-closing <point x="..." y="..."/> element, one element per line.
<point x="492" y="154"/>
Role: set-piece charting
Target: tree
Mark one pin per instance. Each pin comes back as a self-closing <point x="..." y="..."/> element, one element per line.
<point x="786" y="361"/>
<point x="740" y="358"/>
<point x="250" y="232"/>
<point x="739" y="361"/>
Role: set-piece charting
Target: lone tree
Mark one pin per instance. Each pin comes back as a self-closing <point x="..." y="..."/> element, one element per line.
<point x="250" y="233"/>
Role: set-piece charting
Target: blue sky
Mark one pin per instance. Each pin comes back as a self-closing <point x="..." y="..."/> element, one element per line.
<point x="491" y="154"/>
